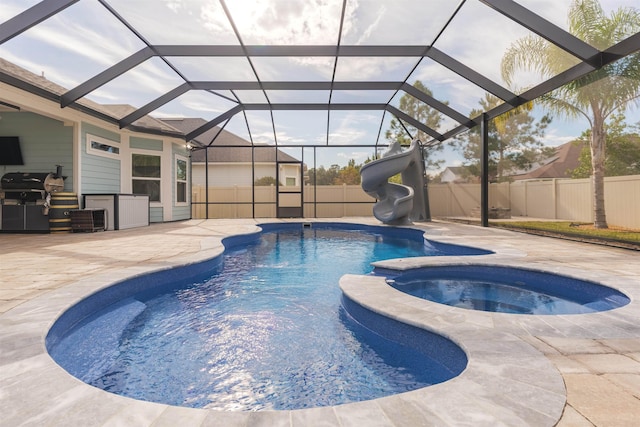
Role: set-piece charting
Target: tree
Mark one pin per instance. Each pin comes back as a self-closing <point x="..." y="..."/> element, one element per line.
<point x="322" y="176"/>
<point x="622" y="150"/>
<point x="349" y="174"/>
<point x="514" y="141"/>
<point x="426" y="115"/>
<point x="265" y="181"/>
<point x="595" y="96"/>
<point x="336" y="175"/>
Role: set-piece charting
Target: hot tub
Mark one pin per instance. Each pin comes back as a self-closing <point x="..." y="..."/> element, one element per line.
<point x="507" y="290"/>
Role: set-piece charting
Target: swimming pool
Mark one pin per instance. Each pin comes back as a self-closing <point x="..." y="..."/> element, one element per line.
<point x="260" y="328"/>
<point x="507" y="290"/>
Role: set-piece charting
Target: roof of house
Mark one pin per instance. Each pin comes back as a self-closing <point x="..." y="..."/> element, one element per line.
<point x="147" y="122"/>
<point x="453" y="174"/>
<point x="565" y="158"/>
<point x="115" y="111"/>
<point x="235" y="149"/>
<point x="456" y="170"/>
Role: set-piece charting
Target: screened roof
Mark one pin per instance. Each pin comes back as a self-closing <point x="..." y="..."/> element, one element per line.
<point x="290" y="72"/>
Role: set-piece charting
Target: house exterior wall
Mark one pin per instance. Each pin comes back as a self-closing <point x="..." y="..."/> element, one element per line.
<point x="112" y="173"/>
<point x="225" y="174"/>
<point x="99" y="174"/>
<point x="291" y="171"/>
<point x="51" y="136"/>
<point x="180" y="210"/>
<point x="229" y="174"/>
<point x="448" y="176"/>
<point x="154" y="147"/>
<point x="44" y="143"/>
<point x="148" y="144"/>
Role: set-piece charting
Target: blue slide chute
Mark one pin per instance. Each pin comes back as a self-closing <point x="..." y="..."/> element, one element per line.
<point x="397" y="203"/>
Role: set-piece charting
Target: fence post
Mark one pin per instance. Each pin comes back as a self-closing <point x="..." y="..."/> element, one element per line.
<point x="592" y="184"/>
<point x="235" y="205"/>
<point x="526" y="199"/>
<point x="344" y="199"/>
<point x="554" y="197"/>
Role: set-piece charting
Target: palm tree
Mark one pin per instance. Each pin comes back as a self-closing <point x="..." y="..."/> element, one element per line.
<point x="595" y="96"/>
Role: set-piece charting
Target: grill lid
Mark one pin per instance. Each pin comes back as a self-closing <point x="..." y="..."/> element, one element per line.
<point x="28" y="181"/>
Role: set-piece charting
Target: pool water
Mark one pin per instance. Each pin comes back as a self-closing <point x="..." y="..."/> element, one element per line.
<point x="267" y="331"/>
<point x="508" y="290"/>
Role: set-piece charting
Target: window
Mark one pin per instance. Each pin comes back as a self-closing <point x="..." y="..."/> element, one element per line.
<point x="102" y="147"/>
<point x="181" y="180"/>
<point x="290" y="182"/>
<point x="145" y="170"/>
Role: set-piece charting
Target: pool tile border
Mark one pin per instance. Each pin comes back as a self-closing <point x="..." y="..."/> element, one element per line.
<point x="507" y="380"/>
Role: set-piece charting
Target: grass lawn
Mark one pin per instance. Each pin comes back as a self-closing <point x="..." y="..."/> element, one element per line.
<point x="581" y="231"/>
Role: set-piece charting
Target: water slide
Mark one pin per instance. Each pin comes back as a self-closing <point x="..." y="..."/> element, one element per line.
<point x="397" y="203"/>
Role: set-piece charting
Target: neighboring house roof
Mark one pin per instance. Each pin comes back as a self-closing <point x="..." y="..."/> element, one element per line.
<point x="234" y="146"/>
<point x="453" y="174"/>
<point x="456" y="170"/>
<point x="566" y="158"/>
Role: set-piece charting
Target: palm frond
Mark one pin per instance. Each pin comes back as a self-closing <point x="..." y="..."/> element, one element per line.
<point x="624" y="23"/>
<point x="527" y="53"/>
<point x="557" y="103"/>
<point x="585" y="20"/>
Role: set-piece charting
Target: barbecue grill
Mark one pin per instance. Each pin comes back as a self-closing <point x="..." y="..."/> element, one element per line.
<point x="31" y="186"/>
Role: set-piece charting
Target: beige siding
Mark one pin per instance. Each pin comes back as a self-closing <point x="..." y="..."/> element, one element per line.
<point x="228" y="174"/>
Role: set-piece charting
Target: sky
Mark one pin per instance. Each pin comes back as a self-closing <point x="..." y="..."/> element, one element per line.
<point x="85" y="39"/>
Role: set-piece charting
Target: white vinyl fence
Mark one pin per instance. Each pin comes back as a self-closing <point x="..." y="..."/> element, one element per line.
<point x="562" y="199"/>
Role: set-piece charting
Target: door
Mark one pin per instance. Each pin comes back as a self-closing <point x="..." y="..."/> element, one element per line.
<point x="289" y="192"/>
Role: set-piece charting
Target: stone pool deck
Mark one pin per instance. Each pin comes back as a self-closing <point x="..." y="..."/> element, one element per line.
<point x="578" y="370"/>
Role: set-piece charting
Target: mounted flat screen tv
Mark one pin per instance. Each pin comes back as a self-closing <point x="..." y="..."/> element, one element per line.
<point x="10" y="153"/>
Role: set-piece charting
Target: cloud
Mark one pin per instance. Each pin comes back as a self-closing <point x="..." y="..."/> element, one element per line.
<point x="347" y="136"/>
<point x="285" y="23"/>
<point x="380" y="14"/>
<point x="369" y="68"/>
<point x="553" y="139"/>
<point x="262" y="137"/>
<point x="101" y="45"/>
<point x="34" y="67"/>
<point x="9" y="10"/>
<point x="86" y="39"/>
<point x="358" y="156"/>
<point x="447" y="86"/>
<point x="353" y="127"/>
